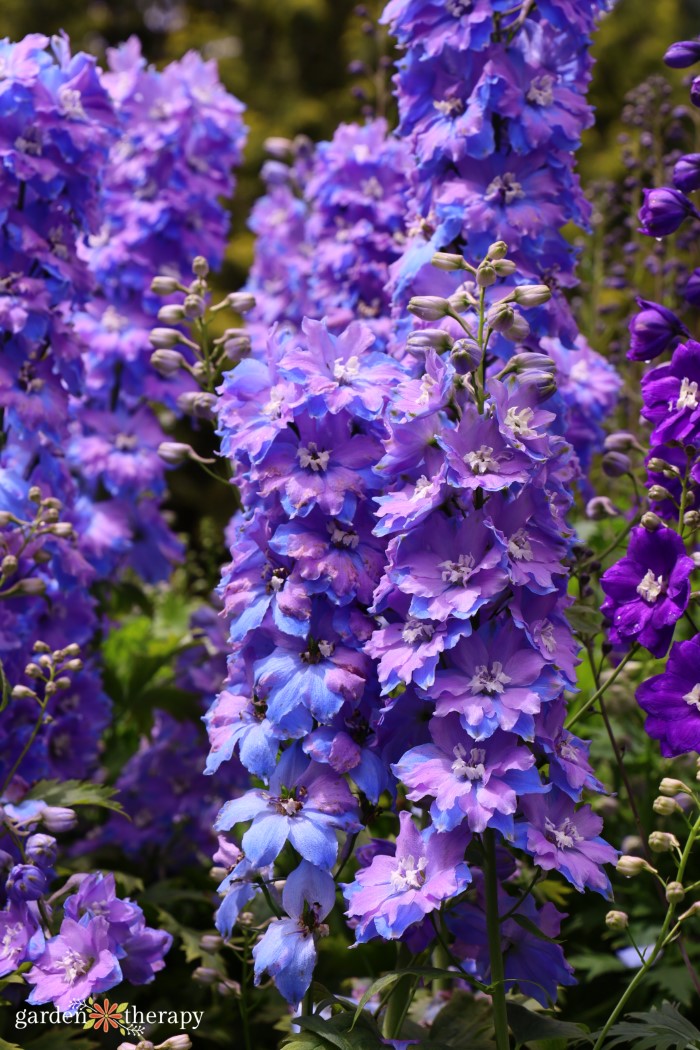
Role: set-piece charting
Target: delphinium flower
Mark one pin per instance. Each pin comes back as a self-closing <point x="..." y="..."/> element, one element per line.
<point x="443" y="490"/>
<point x="649" y="590"/>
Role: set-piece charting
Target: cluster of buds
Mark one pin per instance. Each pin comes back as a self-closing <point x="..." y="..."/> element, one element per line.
<point x="175" y="1042"/>
<point x="50" y="670"/>
<point x="22" y="545"/>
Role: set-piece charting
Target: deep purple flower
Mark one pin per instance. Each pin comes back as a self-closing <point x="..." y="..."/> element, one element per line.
<point x="653" y="330"/>
<point x="682" y="54"/>
<point x="663" y="211"/>
<point x="648" y="590"/>
<point x="686" y="173"/>
<point x="396" y="891"/>
<point x="671" y="396"/>
<point x="26" y="882"/>
<point x="672" y="700"/>
<point x="480" y="457"/>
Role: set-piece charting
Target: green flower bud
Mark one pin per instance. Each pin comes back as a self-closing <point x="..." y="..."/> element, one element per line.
<point x="665" y="806"/>
<point x="670" y="787"/>
<point x="675" y="892"/>
<point x="497" y="250"/>
<point x="663" y="842"/>
<point x="617" y="920"/>
<point x="448" y="261"/>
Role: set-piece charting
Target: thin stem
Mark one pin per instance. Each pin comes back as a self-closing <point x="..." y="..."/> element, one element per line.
<point x="243" y="1001"/>
<point x="400" y="999"/>
<point x="27" y="746"/>
<point x="617" y="541"/>
<point x="493" y="929"/>
<point x="526" y="893"/>
<point x="603" y="688"/>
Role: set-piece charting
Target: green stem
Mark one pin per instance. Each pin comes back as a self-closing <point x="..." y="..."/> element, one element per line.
<point x="493" y="929"/>
<point x="27" y="746"/>
<point x="658" y="946"/>
<point x="243" y="1001"/>
<point x="400" y="999"/>
<point x="603" y="688"/>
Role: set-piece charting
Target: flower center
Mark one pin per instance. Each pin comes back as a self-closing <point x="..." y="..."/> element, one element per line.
<point x="541" y="91"/>
<point x="651" y="587"/>
<point x="687" y="395"/>
<point x="489" y="681"/>
<point x="693" y="697"/>
<point x="317" y="651"/>
<point x="519" y="546"/>
<point x="427" y="385"/>
<point x="565" y="835"/>
<point x="313" y="458"/>
<point x="30" y="142"/>
<point x="423" y="485"/>
<point x="125" y="442"/>
<point x="341" y="537"/>
<point x="70" y="102"/>
<point x="458" y="571"/>
<point x="482" y="461"/>
<point x="345" y="371"/>
<point x="408" y="875"/>
<point x="518" y="421"/>
<point x="504" y="189"/>
<point x="74" y="965"/>
<point x="415" y="632"/>
<point x="458" y="8"/>
<point x="470" y="769"/>
<point x="449" y="107"/>
<point x="11" y="933"/>
<point x="372" y="187"/>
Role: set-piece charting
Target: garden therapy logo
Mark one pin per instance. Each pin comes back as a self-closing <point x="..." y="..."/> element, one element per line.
<point x="106" y="1016"/>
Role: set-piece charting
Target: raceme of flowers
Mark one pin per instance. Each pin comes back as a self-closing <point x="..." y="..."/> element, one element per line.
<point x="397" y="594"/>
<point x="648" y="592"/>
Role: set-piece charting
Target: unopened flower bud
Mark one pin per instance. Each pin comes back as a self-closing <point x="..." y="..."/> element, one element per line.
<point x="448" y="261"/>
<point x="617" y="920"/>
<point x="30" y="588"/>
<point x="466" y="354"/>
<point x="35" y="494"/>
<point x="229" y="987"/>
<point x="429" y="307"/>
<point x="531" y="294"/>
<point x="663" y="841"/>
<point x="601" y="507"/>
<point x="171" y="314"/>
<point x="73" y="665"/>
<point x="197" y="403"/>
<point x="621" y="441"/>
<point x="669" y="786"/>
<point x="651" y="521"/>
<point x="691" y="519"/>
<point x="211" y="942"/>
<point x="200" y="266"/>
<point x="500" y="317"/>
<point x="427" y="339"/>
<point x="630" y="866"/>
<point x="206" y="975"/>
<point x="23" y="692"/>
<point x="241" y="302"/>
<point x="497" y="250"/>
<point x="665" y="806"/>
<point x="165" y="338"/>
<point x="62" y="529"/>
<point x="8" y="564"/>
<point x="164" y="285"/>
<point x="194" y="306"/>
<point x="486" y="275"/>
<point x="167" y="362"/>
<point x="59" y="818"/>
<point x="63" y="682"/>
<point x="174" y="452"/>
<point x="616" y="464"/>
<point x="658" y="492"/>
<point x="218" y="874"/>
<point x="176" y="1042"/>
<point x="5" y="518"/>
<point x="505" y="267"/>
<point x="41" y="647"/>
<point x="674" y="892"/>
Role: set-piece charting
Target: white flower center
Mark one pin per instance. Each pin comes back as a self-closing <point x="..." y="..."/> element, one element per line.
<point x="519" y="547"/>
<point x="458" y="571"/>
<point x="468" y="769"/>
<point x="9" y="936"/>
<point x="565" y="835"/>
<point x="372" y="187"/>
<point x="693" y="697"/>
<point x="458" y="8"/>
<point x="482" y="461"/>
<point x="74" y="965"/>
<point x="342" y="537"/>
<point x="547" y="639"/>
<point x="408" y="875"/>
<point x="541" y="90"/>
<point x="518" y="421"/>
<point x="313" y="458"/>
<point x="489" y="681"/>
<point x="423" y="486"/>
<point x="416" y="631"/>
<point x="344" y="371"/>
<point x="30" y="142"/>
<point x="651" y="587"/>
<point x="687" y="395"/>
<point x="273" y="408"/>
<point x="126" y="442"/>
<point x="504" y="189"/>
<point x="114" y="321"/>
<point x="56" y="241"/>
<point x="427" y="385"/>
<point x="449" y="107"/>
<point x="70" y="101"/>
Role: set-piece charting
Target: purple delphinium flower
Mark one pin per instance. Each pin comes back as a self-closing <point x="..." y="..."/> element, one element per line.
<point x="672" y="700"/>
<point x="476" y="783"/>
<point x="305" y="804"/>
<point x="287" y="949"/>
<point x="648" y="590"/>
<point x="21" y="936"/>
<point x="663" y="211"/>
<point x="653" y="330"/>
<point x="394" y="892"/>
<point x="562" y="838"/>
<point x="80" y="961"/>
<point x="671" y="395"/>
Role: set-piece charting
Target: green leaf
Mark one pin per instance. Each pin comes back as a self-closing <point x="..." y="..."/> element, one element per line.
<point x="389" y="979"/>
<point x="584" y="618"/>
<point x="529" y="1026"/>
<point x="75" y="793"/>
<point x="531" y="927"/>
<point x="465" y="1023"/>
<point x="4" y="1045"/>
<point x="663" y="1029"/>
<point x="341" y="1032"/>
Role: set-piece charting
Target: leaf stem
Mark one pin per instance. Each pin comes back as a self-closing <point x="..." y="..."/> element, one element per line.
<point x="493" y="929"/>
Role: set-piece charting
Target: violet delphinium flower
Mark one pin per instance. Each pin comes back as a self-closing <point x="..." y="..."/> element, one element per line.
<point x="395" y="892"/>
<point x="671" y="395"/>
<point x="648" y="590"/>
<point x="653" y="330"/>
<point x="671" y="700"/>
<point x="80" y="961"/>
<point x="664" y="210"/>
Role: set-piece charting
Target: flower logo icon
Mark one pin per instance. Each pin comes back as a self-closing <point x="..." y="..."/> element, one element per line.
<point x="107" y="1015"/>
